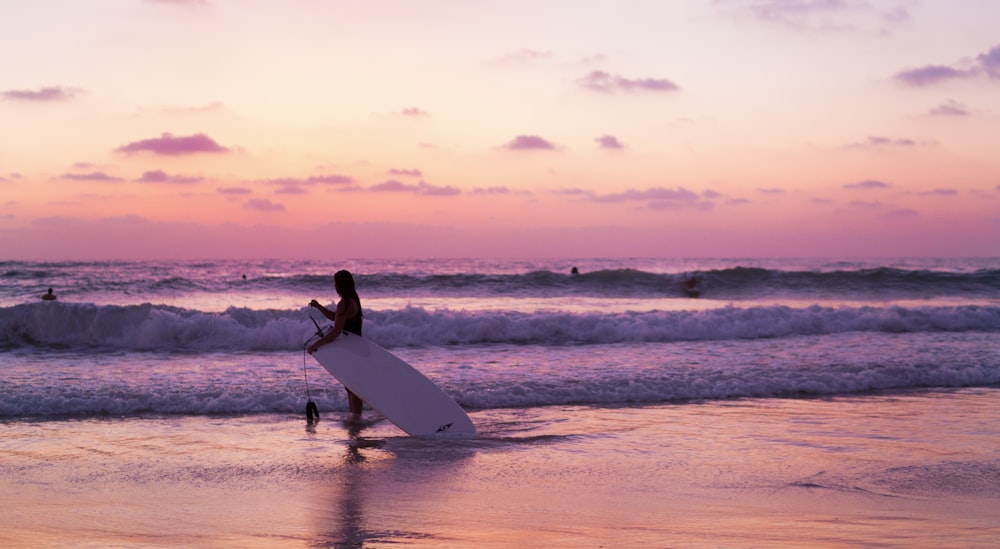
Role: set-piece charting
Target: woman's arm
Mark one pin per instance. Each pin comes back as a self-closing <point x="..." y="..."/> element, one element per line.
<point x="323" y="310"/>
<point x="339" y="319"/>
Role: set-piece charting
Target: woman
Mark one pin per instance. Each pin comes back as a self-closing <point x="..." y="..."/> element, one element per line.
<point x="347" y="317"/>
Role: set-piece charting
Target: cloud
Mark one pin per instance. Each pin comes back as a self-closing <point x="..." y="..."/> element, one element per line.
<point x="408" y="173"/>
<point x="986" y="64"/>
<point x="527" y="143"/>
<point x="931" y="74"/>
<point x="52" y="93"/>
<point x="328" y="179"/>
<point x="169" y="145"/>
<point x="523" y="56"/>
<point x="423" y="188"/>
<point x="658" y="198"/>
<point x="234" y="191"/>
<point x="604" y="82"/>
<point x="491" y="190"/>
<point x="940" y="192"/>
<point x="291" y="189"/>
<point x="413" y="111"/>
<point x="868" y="184"/>
<point x="609" y="142"/>
<point x="990" y="62"/>
<point x="824" y="15"/>
<point x="880" y="142"/>
<point x="160" y="176"/>
<point x="950" y="108"/>
<point x="292" y="185"/>
<point x="772" y="191"/>
<point x="865" y="204"/>
<point x="93" y="176"/>
<point x="902" y="213"/>
<point x="263" y="205"/>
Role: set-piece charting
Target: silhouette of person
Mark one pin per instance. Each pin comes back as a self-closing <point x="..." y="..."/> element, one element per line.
<point x="346" y="317"/>
<point x="574" y="271"/>
<point x="49" y="296"/>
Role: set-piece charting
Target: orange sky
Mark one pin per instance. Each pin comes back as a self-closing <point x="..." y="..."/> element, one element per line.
<point x="232" y="128"/>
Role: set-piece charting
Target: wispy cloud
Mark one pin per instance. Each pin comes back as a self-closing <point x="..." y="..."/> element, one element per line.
<point x="263" y="205"/>
<point x="657" y="198"/>
<point x="940" y="192"/>
<point x="866" y="205"/>
<point x="932" y="74"/>
<point x="292" y="185"/>
<point x="771" y="191"/>
<point x="524" y="56"/>
<point x="92" y="176"/>
<point x="868" y="184"/>
<point x="405" y="173"/>
<point x="169" y="145"/>
<point x="413" y="112"/>
<point x="604" y="82"/>
<point x="609" y="142"/>
<point x="528" y="143"/>
<point x="234" y="191"/>
<point x="882" y="142"/>
<point x="950" y="108"/>
<point x="986" y="65"/>
<point x="48" y="94"/>
<point x="160" y="176"/>
<point x="990" y="62"/>
<point x="422" y="188"/>
<point x="491" y="190"/>
<point x="824" y="15"/>
<point x="900" y="213"/>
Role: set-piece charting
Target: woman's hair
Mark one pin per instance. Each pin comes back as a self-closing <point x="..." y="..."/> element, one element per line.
<point x="343" y="282"/>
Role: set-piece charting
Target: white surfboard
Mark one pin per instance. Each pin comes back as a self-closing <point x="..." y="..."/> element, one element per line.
<point x="401" y="393"/>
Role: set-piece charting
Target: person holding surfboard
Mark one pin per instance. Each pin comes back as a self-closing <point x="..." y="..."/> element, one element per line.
<point x="346" y="317"/>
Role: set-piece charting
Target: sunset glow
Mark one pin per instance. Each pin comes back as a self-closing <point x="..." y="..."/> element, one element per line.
<point x="231" y="128"/>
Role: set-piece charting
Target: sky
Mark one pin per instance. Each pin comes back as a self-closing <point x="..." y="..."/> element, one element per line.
<point x="176" y="129"/>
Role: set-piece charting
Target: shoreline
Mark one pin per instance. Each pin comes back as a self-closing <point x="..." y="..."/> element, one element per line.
<point x="895" y="470"/>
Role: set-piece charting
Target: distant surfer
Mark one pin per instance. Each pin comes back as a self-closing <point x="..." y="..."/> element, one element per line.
<point x="347" y="317"/>
<point x="49" y="296"/>
<point x="574" y="271"/>
<point x="692" y="286"/>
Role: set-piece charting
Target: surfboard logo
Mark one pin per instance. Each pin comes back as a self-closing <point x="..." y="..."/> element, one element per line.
<point x="444" y="427"/>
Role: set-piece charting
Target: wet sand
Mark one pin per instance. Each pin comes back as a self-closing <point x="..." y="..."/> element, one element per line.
<point x="920" y="469"/>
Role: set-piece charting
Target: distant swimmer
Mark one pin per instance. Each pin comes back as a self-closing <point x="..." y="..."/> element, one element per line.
<point x="692" y="286"/>
<point x="49" y="296"/>
<point x="574" y="271"/>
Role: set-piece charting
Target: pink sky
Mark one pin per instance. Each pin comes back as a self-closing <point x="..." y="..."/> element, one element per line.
<point x="300" y="128"/>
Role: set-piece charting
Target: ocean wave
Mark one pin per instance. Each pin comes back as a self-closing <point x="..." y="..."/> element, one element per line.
<point x="128" y="386"/>
<point x="157" y="328"/>
<point x="101" y="282"/>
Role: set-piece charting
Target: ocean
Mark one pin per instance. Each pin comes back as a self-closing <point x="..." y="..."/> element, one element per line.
<point x="189" y="377"/>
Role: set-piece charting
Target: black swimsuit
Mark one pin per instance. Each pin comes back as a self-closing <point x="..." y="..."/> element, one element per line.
<point x="353" y="325"/>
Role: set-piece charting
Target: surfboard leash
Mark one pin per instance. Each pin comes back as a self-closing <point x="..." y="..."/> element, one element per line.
<point x="312" y="411"/>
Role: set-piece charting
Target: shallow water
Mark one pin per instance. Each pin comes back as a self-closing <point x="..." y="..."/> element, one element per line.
<point x="921" y="468"/>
